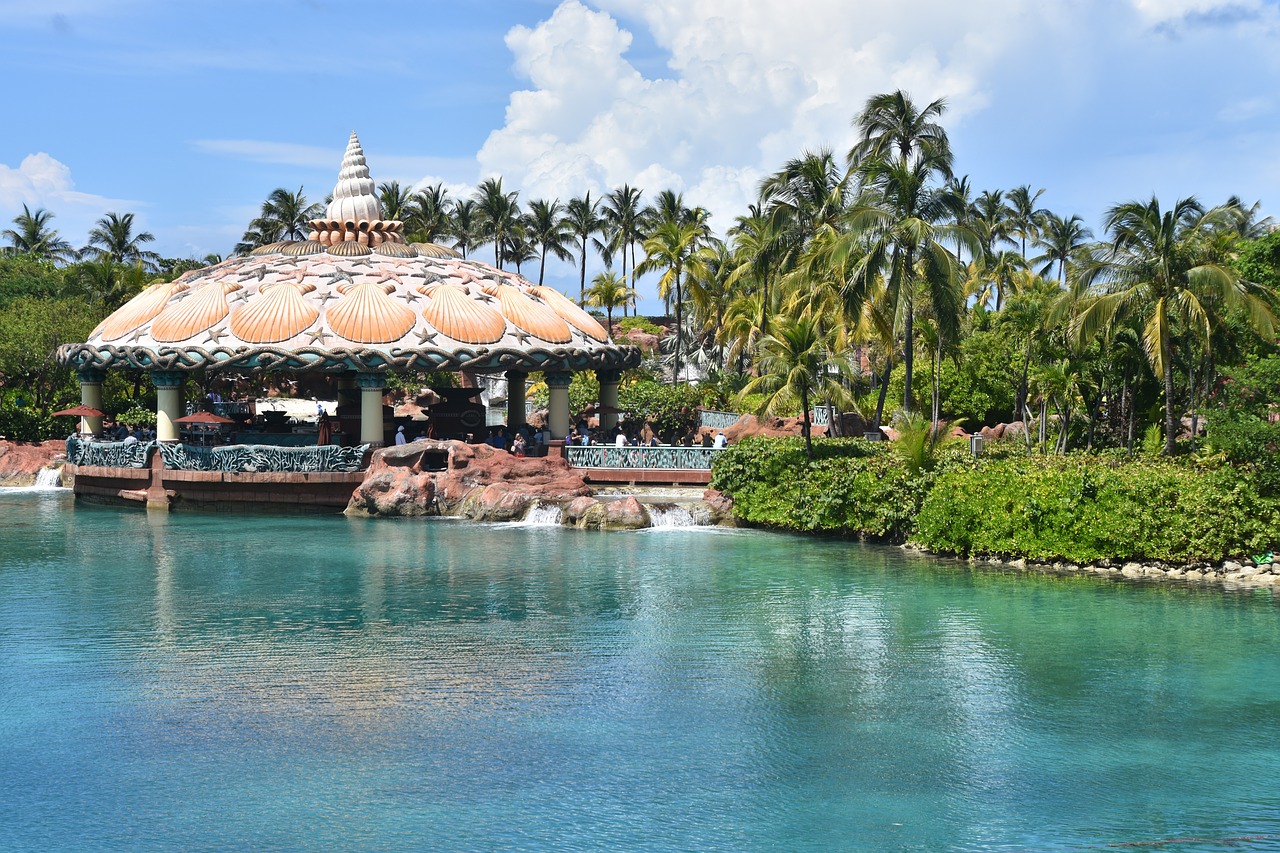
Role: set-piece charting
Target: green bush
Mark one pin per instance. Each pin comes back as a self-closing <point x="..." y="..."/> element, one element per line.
<point x="1082" y="509"/>
<point x="626" y="324"/>
<point x="851" y="487"/>
<point x="672" y="409"/>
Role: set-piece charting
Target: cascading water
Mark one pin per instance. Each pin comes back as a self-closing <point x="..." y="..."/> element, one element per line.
<point x="542" y="515"/>
<point x="48" y="478"/>
<point x="670" y="515"/>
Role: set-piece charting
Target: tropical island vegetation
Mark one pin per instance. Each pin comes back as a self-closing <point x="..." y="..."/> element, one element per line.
<point x="1128" y="372"/>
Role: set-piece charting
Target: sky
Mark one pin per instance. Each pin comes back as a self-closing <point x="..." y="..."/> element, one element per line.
<point x="188" y="115"/>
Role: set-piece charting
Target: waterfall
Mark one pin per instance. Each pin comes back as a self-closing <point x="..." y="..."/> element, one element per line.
<point x="670" y="515"/>
<point x="542" y="515"/>
<point x="48" y="478"/>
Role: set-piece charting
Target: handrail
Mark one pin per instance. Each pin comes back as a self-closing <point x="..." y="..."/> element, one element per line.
<point x="651" y="458"/>
<point x="108" y="454"/>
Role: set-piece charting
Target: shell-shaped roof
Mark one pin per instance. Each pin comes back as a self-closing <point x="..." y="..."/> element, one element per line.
<point x="278" y="308"/>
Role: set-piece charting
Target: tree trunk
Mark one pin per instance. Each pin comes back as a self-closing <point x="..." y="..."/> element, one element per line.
<point x="1044" y="426"/>
<point x="582" y="278"/>
<point x="1020" y="404"/>
<point x="908" y="356"/>
<point x="679" y="326"/>
<point x="808" y="437"/>
<point x="937" y="386"/>
<point x="1170" y="433"/>
<point x="542" y="265"/>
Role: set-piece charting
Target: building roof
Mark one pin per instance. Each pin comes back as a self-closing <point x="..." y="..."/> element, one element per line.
<point x="353" y="296"/>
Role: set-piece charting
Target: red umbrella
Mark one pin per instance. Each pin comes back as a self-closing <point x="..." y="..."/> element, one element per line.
<point x="81" y="411"/>
<point x="203" y="418"/>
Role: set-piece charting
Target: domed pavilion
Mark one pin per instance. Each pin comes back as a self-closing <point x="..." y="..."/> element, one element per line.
<point x="357" y="302"/>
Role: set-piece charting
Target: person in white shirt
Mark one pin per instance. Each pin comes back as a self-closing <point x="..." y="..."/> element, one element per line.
<point x="400" y="439"/>
<point x="720" y="441"/>
<point x="621" y="439"/>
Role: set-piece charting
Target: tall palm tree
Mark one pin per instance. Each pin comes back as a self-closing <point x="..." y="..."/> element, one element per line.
<point x="794" y="362"/>
<point x="676" y="249"/>
<point x="113" y="237"/>
<point x="1154" y="267"/>
<point x="108" y="283"/>
<point x="518" y="248"/>
<point x="608" y="291"/>
<point x="499" y="212"/>
<point x="1061" y="239"/>
<point x="901" y="221"/>
<point x="284" y="215"/>
<point x="33" y="236"/>
<point x="548" y="230"/>
<point x="582" y="216"/>
<point x="465" y="225"/>
<point x="621" y="213"/>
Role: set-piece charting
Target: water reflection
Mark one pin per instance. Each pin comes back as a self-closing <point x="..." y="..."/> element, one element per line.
<point x="527" y="688"/>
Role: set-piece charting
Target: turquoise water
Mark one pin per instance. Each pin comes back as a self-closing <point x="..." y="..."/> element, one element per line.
<point x="201" y="682"/>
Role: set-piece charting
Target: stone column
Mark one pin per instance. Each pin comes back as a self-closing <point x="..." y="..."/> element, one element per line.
<point x="372" y="430"/>
<point x="168" y="403"/>
<point x="91" y="395"/>
<point x="558" y="404"/>
<point x="609" y="380"/>
<point x="515" y="398"/>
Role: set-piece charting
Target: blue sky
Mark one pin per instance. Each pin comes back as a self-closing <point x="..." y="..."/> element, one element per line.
<point x="190" y="114"/>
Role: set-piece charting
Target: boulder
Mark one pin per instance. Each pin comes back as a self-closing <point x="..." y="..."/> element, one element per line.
<point x="625" y="514"/>
<point x="719" y="508"/>
<point x="497" y="502"/>
<point x="578" y="508"/>
<point x="394" y="491"/>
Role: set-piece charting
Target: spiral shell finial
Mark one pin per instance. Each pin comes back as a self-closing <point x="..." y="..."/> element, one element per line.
<point x="354" y="198"/>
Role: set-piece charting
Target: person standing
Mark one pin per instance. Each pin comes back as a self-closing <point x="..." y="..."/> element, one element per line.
<point x="400" y="439"/>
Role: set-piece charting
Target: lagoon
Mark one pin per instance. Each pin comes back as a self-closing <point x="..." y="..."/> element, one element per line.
<point x="232" y="682"/>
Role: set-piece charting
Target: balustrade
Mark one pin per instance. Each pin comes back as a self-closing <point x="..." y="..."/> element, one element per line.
<point x="659" y="458"/>
<point x="108" y="454"/>
<point x="261" y="458"/>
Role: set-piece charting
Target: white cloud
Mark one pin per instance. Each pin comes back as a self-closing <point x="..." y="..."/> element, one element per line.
<point x="751" y="84"/>
<point x="1167" y="11"/>
<point x="41" y="181"/>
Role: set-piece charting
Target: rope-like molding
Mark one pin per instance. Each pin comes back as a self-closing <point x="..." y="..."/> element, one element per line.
<point x="340" y="360"/>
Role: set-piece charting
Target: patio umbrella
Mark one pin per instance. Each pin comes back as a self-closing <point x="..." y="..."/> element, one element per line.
<point x="81" y="411"/>
<point x="203" y="418"/>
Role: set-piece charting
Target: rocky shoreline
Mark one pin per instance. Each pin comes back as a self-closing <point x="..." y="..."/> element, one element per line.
<point x="22" y="461"/>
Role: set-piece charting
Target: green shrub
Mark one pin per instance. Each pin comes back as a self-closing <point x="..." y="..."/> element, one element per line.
<point x="672" y="409"/>
<point x="626" y="324"/>
<point x="1082" y="509"/>
<point x="851" y="487"/>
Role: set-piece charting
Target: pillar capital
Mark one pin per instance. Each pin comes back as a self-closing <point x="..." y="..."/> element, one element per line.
<point x="517" y="376"/>
<point x="371" y="381"/>
<point x="91" y="376"/>
<point x="168" y="378"/>
<point x="609" y="377"/>
<point x="559" y="379"/>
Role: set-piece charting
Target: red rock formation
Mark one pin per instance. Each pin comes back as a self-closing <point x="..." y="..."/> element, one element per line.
<point x="20" y="460"/>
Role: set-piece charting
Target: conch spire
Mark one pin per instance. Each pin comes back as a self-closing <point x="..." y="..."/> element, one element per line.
<point x="354" y="199"/>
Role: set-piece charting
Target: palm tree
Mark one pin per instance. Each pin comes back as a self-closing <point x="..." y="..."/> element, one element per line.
<point x="794" y="362"/>
<point x="113" y="237"/>
<point x="1155" y="268"/>
<point x="499" y="211"/>
<point x="609" y="291"/>
<point x="108" y="283"/>
<point x="1024" y="217"/>
<point x="518" y="248"/>
<point x="465" y="225"/>
<point x="284" y="216"/>
<point x="33" y="236"/>
<point x="1061" y="239"/>
<point x="583" y="220"/>
<point x="890" y="126"/>
<point x="675" y="248"/>
<point x="396" y="201"/>
<point x="548" y="230"/>
<point x="621" y="213"/>
<point x="427" y="218"/>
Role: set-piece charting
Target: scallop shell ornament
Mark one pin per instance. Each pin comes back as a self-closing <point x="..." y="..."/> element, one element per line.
<point x="533" y="317"/>
<point x="278" y="313"/>
<point x="453" y="313"/>
<point x="569" y="310"/>
<point x="368" y="315"/>
<point x="204" y="308"/>
<point x="138" y="310"/>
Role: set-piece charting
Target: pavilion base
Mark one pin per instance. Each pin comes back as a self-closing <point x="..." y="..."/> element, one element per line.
<point x="161" y="489"/>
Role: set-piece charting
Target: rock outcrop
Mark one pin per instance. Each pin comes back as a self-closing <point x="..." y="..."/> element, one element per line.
<point x="21" y="460"/>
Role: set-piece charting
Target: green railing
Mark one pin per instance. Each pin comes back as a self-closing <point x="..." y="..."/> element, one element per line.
<point x="711" y="419"/>
<point x="263" y="458"/>
<point x="651" y="458"/>
<point x="108" y="454"/>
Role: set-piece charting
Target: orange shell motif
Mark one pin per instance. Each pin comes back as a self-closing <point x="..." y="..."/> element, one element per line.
<point x="367" y="315"/>
<point x="534" y="317"/>
<point x="138" y="310"/>
<point x="279" y="313"/>
<point x="460" y="317"/>
<point x="206" y="306"/>
<point x="569" y="310"/>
